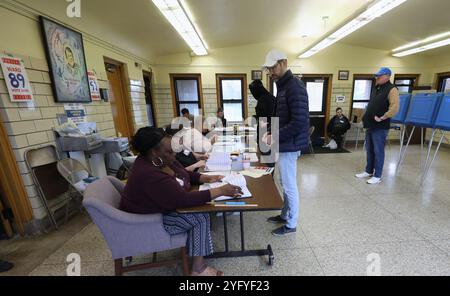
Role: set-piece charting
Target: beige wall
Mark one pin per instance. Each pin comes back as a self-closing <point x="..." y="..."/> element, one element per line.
<point x="244" y="59"/>
<point x="440" y="64"/>
<point x="30" y="125"/>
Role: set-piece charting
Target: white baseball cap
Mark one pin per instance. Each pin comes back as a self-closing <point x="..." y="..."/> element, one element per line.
<point x="273" y="57"/>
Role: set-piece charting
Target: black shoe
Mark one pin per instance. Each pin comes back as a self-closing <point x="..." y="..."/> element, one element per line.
<point x="5" y="266"/>
<point x="283" y="230"/>
<point x="276" y="220"/>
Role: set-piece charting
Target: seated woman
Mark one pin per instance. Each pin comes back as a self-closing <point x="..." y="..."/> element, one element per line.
<point x="337" y="127"/>
<point x="190" y="161"/>
<point x="159" y="184"/>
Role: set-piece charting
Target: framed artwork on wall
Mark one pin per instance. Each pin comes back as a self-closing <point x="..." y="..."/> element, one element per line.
<point x="67" y="64"/>
<point x="343" y="75"/>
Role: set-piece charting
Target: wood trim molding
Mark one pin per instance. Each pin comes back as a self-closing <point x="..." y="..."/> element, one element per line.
<point x="13" y="189"/>
<point x="242" y="76"/>
<point x="438" y="76"/>
<point x="408" y="76"/>
<point x="154" y="111"/>
<point x="197" y="76"/>
<point x="355" y="77"/>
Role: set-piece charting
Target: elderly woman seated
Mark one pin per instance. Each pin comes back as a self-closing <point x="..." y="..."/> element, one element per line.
<point x="159" y="184"/>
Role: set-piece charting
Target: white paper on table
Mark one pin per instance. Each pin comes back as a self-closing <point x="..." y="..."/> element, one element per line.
<point x="233" y="179"/>
<point x="253" y="157"/>
<point x="218" y="161"/>
<point x="257" y="173"/>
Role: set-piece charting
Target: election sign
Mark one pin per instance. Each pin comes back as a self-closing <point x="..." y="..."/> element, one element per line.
<point x="75" y="112"/>
<point x="93" y="85"/>
<point x="16" y="79"/>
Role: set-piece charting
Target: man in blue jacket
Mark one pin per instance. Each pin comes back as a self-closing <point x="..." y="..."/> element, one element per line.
<point x="292" y="109"/>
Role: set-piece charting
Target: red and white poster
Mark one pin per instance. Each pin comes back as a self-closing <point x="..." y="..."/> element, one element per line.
<point x="93" y="85"/>
<point x="16" y="79"/>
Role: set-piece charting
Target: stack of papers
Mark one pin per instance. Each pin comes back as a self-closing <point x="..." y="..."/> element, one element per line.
<point x="235" y="179"/>
<point x="218" y="161"/>
<point x="257" y="172"/>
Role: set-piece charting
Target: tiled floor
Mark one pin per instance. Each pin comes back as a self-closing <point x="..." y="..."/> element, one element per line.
<point x="342" y="222"/>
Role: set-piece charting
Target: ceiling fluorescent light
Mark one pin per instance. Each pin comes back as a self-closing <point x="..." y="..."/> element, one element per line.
<point x="424" y="41"/>
<point x="376" y="10"/>
<point x="441" y="43"/>
<point x="176" y="15"/>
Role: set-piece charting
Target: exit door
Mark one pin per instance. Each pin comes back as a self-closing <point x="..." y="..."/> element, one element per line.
<point x="317" y="88"/>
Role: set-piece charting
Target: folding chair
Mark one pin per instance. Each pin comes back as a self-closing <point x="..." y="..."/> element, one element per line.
<point x="51" y="186"/>
<point x="74" y="172"/>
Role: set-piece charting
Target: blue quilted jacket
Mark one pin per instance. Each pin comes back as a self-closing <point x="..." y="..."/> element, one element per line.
<point x="292" y="109"/>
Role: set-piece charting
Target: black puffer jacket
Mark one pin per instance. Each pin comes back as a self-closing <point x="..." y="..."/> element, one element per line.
<point x="266" y="101"/>
<point x="293" y="112"/>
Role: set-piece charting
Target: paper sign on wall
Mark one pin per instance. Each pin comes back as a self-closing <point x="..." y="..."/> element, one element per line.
<point x="75" y="112"/>
<point x="340" y="99"/>
<point x="16" y="79"/>
<point x="93" y="85"/>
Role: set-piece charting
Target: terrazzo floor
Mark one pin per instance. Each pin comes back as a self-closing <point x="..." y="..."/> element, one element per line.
<point x="343" y="222"/>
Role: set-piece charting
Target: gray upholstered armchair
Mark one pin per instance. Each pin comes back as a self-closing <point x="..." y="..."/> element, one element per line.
<point x="128" y="234"/>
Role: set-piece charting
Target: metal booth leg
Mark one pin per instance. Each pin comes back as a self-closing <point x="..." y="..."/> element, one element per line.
<point x="403" y="153"/>
<point x="427" y="168"/>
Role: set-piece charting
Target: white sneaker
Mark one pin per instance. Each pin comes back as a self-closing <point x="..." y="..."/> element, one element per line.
<point x="363" y="175"/>
<point x="374" y="180"/>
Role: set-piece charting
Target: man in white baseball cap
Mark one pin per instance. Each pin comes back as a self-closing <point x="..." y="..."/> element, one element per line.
<point x="273" y="58"/>
<point x="292" y="110"/>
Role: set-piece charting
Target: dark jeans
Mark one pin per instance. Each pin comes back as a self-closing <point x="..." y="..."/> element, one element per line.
<point x="375" y="143"/>
<point x="337" y="134"/>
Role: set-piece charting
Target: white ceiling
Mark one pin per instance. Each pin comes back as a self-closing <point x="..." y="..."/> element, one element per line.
<point x="225" y="23"/>
<point x="412" y="21"/>
<point x="138" y="27"/>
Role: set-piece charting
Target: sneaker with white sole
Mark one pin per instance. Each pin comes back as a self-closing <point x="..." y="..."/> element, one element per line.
<point x="363" y="175"/>
<point x="374" y="180"/>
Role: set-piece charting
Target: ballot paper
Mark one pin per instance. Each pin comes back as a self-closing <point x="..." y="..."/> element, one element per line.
<point x="257" y="172"/>
<point x="218" y="161"/>
<point x="252" y="156"/>
<point x="235" y="179"/>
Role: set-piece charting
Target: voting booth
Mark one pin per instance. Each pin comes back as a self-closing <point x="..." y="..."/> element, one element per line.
<point x="400" y="117"/>
<point x="422" y="112"/>
<point x="442" y="123"/>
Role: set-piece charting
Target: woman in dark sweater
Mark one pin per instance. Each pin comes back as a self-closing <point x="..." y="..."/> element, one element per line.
<point x="159" y="184"/>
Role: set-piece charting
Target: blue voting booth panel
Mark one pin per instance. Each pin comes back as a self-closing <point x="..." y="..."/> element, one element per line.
<point x="404" y="105"/>
<point x="443" y="117"/>
<point x="423" y="109"/>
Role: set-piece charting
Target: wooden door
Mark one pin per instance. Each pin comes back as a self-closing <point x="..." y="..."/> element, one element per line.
<point x="12" y="189"/>
<point x="119" y="100"/>
<point x="4" y="222"/>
